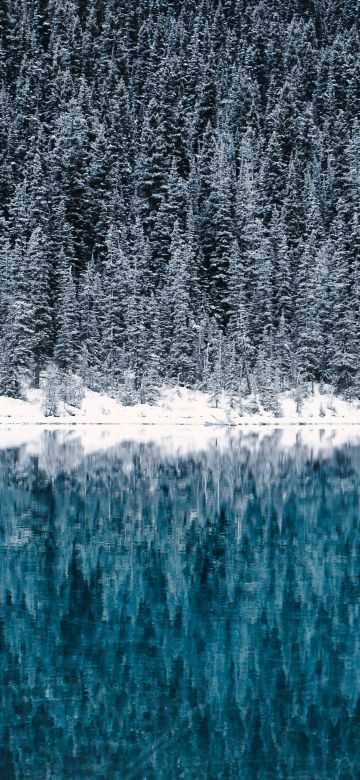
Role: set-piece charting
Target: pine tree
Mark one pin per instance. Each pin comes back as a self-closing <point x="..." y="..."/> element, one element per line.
<point x="10" y="384"/>
<point x="151" y="379"/>
<point x="261" y="307"/>
<point x="282" y="270"/>
<point x="51" y="392"/>
<point x="343" y="345"/>
<point x="173" y="208"/>
<point x="67" y="343"/>
<point x="139" y="287"/>
<point x="28" y="326"/>
<point x="152" y="168"/>
<point x="238" y="317"/>
<point x="216" y="379"/>
<point x="41" y="317"/>
<point x="218" y="230"/>
<point x="309" y="330"/>
<point x="115" y="285"/>
<point x="181" y="352"/>
<point x="90" y="328"/>
<point x="283" y="355"/>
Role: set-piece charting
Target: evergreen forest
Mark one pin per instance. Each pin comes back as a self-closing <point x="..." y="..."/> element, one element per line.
<point x="179" y="195"/>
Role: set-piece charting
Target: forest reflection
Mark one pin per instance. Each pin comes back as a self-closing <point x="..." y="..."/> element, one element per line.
<point x="167" y="616"/>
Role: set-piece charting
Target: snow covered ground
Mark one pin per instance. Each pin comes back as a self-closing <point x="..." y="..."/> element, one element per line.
<point x="182" y="421"/>
<point x="181" y="406"/>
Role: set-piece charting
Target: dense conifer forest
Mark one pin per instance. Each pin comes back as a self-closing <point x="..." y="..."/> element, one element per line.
<point x="180" y="189"/>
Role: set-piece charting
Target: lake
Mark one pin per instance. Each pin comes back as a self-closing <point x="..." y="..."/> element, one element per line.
<point x="179" y="612"/>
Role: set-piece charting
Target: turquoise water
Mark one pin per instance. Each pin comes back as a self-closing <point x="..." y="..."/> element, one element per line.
<point x="167" y="616"/>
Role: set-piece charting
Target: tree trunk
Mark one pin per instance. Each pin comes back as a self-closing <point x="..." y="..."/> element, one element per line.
<point x="37" y="375"/>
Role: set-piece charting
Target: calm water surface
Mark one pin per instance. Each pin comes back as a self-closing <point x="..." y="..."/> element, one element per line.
<point x="166" y="616"/>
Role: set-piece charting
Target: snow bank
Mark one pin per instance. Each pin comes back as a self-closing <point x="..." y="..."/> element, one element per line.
<point x="183" y="421"/>
<point x="181" y="407"/>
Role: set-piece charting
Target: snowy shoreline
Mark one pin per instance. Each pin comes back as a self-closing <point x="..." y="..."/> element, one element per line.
<point x="183" y="422"/>
<point x="183" y="408"/>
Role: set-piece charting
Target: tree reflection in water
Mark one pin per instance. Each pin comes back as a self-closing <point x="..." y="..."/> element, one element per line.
<point x="179" y="617"/>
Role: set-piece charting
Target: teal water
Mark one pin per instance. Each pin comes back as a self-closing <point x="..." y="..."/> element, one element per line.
<point x="191" y="616"/>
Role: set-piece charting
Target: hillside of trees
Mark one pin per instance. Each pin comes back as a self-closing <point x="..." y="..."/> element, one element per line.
<point x="179" y="194"/>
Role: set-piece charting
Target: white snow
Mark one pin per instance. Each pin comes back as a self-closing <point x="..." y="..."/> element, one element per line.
<point x="181" y="406"/>
<point x="183" y="421"/>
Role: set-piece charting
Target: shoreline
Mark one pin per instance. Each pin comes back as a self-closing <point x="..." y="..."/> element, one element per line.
<point x="175" y="438"/>
<point x="283" y="423"/>
<point x="179" y="408"/>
